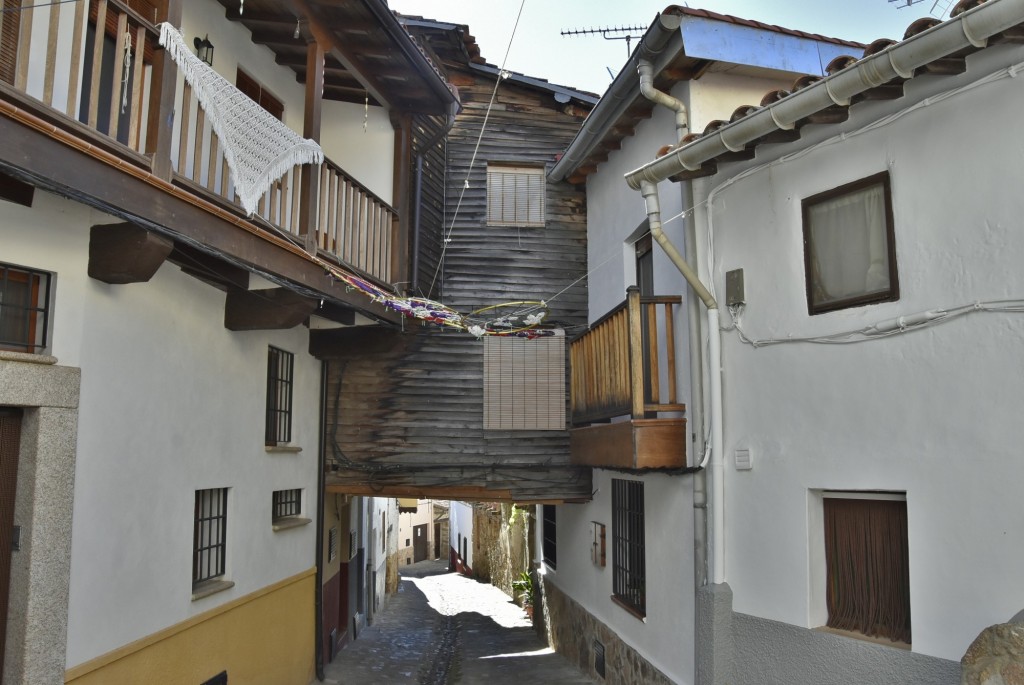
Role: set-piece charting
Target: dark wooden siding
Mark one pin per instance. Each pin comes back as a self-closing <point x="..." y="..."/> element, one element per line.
<point x="430" y="142"/>
<point x="409" y="413"/>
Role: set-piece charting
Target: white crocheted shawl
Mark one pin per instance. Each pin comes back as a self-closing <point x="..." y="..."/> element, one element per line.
<point x="258" y="148"/>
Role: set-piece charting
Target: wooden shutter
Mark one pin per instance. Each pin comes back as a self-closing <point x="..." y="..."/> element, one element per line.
<point x="10" y="24"/>
<point x="10" y="442"/>
<point x="258" y="94"/>
<point x="515" y="195"/>
<point x="524" y="383"/>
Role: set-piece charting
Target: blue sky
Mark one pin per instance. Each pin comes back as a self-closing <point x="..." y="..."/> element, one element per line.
<point x="539" y="50"/>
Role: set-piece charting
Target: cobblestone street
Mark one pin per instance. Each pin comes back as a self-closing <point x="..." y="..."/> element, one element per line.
<point x="445" y="629"/>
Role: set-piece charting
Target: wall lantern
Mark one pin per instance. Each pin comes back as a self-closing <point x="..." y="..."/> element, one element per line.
<point x="204" y="49"/>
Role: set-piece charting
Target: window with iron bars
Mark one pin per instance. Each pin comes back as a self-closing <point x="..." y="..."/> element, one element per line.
<point x="287" y="503"/>
<point x="280" y="365"/>
<point x="549" y="528"/>
<point x="629" y="581"/>
<point x="24" y="309"/>
<point x="209" y="540"/>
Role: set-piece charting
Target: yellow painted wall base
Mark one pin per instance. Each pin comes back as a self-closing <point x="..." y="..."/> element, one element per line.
<point x="266" y="637"/>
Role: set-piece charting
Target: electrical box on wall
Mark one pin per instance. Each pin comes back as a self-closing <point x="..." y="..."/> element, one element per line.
<point x="734" y="290"/>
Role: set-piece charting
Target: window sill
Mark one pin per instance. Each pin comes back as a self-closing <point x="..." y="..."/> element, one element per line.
<point x="210" y="587"/>
<point x="283" y="449"/>
<point x="27" y="357"/>
<point x="291" y="522"/>
<point x="632" y="610"/>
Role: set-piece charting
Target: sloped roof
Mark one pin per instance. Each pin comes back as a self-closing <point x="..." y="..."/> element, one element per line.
<point x="623" y="107"/>
<point x="929" y="46"/>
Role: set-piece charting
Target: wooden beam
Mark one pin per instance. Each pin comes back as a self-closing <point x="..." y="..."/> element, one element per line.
<point x="161" y="113"/>
<point x="336" y="342"/>
<point x="33" y="155"/>
<point x="312" y="116"/>
<point x="208" y="268"/>
<point x="635" y="444"/>
<point x="125" y="253"/>
<point x="13" y="190"/>
<point x="270" y="309"/>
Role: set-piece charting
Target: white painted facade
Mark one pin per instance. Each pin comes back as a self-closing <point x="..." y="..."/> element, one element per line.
<point x="171" y="402"/>
<point x="932" y="412"/>
<point x="407" y="523"/>
<point x="461" y="531"/>
<point x="616" y="217"/>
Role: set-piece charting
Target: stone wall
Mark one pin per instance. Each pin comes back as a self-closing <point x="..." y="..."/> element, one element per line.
<point x="572" y="631"/>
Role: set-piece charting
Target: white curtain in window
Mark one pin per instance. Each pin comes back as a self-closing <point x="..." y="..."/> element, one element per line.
<point x="849" y="252"/>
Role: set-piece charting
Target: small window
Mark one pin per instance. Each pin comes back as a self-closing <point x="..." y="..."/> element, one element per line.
<point x="24" y="309"/>
<point x="332" y="544"/>
<point x="629" y="570"/>
<point x="849" y="246"/>
<point x="209" y="540"/>
<point x="255" y="90"/>
<point x="867" y="565"/>
<point x="515" y="195"/>
<point x="550" y="548"/>
<point x="524" y="383"/>
<point x="287" y="504"/>
<point x="279" y="396"/>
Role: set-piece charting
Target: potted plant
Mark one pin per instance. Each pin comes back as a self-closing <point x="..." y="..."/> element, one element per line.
<point x="523" y="587"/>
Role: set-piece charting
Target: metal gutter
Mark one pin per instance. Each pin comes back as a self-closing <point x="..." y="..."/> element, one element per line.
<point x="972" y="28"/>
<point x="624" y="90"/>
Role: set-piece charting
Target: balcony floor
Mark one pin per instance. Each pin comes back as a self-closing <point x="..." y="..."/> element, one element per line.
<point x="634" y="444"/>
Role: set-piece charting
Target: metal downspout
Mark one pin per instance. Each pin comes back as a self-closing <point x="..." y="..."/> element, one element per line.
<point x="650" y="194"/>
<point x="318" y="628"/>
<point x="647" y="89"/>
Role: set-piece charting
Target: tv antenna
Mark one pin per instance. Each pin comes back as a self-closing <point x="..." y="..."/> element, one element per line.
<point x="608" y="33"/>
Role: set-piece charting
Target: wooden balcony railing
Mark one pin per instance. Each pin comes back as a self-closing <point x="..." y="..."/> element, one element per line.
<point x="107" y="86"/>
<point x="619" y="364"/>
<point x="53" y="53"/>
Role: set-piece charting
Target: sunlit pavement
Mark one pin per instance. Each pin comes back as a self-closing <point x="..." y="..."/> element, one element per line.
<point x="445" y="629"/>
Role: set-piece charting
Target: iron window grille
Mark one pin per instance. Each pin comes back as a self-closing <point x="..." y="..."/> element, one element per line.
<point x="332" y="544"/>
<point x="280" y="367"/>
<point x="549" y="529"/>
<point x="629" y="580"/>
<point x="24" y="309"/>
<point x="209" y="540"/>
<point x="287" y="503"/>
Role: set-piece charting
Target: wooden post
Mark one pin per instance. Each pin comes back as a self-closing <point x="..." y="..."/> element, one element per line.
<point x="160" y="126"/>
<point x="636" y="352"/>
<point x="311" y="129"/>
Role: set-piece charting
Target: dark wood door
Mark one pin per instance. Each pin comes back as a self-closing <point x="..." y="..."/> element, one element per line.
<point x="419" y="542"/>
<point x="437" y="540"/>
<point x="10" y="440"/>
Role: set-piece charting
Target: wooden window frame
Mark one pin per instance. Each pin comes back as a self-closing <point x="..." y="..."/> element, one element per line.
<point x="893" y="292"/>
<point x="209" y="535"/>
<point x="36" y="310"/>
<point x="280" y="391"/>
<point x="259" y="93"/>
<point x="498" y="214"/>
<point x="867" y="565"/>
<point x="629" y="562"/>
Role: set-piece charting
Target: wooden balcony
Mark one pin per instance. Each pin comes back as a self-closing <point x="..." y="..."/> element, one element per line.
<point x="625" y="408"/>
<point x="109" y="93"/>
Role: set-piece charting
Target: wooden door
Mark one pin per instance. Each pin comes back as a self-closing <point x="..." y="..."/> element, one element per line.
<point x="10" y="440"/>
<point x="419" y="542"/>
<point x="437" y="540"/>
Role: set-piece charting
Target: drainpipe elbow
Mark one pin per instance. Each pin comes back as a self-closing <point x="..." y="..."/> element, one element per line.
<point x="647" y="89"/>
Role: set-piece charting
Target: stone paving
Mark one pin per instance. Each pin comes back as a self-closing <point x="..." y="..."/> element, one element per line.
<point x="445" y="629"/>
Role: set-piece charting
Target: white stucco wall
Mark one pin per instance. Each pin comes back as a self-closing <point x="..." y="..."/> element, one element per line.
<point x="933" y="413"/>
<point x="171" y="402"/>
<point x="407" y="523"/>
<point x="615" y="215"/>
<point x="462" y="524"/>
<point x="665" y="636"/>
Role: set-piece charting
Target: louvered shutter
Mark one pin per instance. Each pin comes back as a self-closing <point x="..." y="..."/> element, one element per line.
<point x="515" y="195"/>
<point x="524" y="383"/>
<point x="10" y="20"/>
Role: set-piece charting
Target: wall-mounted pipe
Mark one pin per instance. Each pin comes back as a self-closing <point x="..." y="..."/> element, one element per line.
<point x="647" y="89"/>
<point x="650" y="195"/>
<point x="972" y="28"/>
